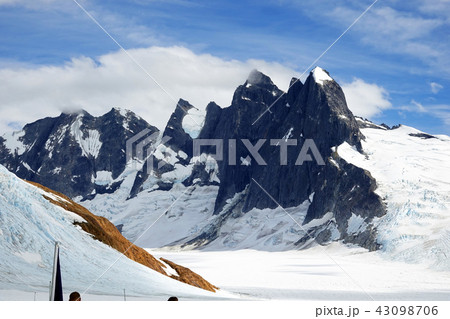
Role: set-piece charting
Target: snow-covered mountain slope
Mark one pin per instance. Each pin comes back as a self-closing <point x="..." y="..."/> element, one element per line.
<point x="30" y="224"/>
<point x="413" y="178"/>
<point x="190" y="210"/>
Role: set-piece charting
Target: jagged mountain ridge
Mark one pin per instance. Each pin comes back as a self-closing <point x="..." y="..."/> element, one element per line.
<point x="316" y="110"/>
<point x="76" y="153"/>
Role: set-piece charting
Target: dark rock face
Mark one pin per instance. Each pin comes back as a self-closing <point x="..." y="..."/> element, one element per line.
<point x="422" y="135"/>
<point x="307" y="112"/>
<point x="179" y="139"/>
<point x="66" y="153"/>
<point x="235" y="122"/>
<point x="365" y="123"/>
<point x="347" y="190"/>
<point x="8" y="157"/>
<point x="314" y="113"/>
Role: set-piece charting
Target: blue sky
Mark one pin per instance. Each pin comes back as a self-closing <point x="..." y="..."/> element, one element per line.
<point x="398" y="53"/>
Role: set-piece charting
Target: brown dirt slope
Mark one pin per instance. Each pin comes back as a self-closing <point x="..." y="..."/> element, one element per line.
<point x="186" y="275"/>
<point x="103" y="230"/>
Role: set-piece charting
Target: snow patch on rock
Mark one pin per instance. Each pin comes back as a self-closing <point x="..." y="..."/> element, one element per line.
<point x="320" y="76"/>
<point x="356" y="224"/>
<point x="103" y="178"/>
<point x="13" y="142"/>
<point x="90" y="146"/>
<point x="193" y="122"/>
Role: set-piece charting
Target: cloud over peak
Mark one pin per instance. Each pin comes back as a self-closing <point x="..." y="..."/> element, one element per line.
<point x="96" y="85"/>
<point x="365" y="99"/>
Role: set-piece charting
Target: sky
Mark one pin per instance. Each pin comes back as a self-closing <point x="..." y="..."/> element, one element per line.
<point x="393" y="63"/>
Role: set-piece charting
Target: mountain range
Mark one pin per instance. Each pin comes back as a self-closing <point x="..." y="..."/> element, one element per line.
<point x="263" y="192"/>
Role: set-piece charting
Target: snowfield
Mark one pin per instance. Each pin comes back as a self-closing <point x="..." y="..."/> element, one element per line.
<point x="335" y="272"/>
<point x="29" y="227"/>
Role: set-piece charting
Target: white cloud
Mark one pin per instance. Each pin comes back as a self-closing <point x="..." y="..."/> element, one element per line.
<point x="418" y="107"/>
<point x="27" y="94"/>
<point x="435" y="87"/>
<point x="440" y="111"/>
<point x="415" y="28"/>
<point x="396" y="31"/>
<point x="439" y="8"/>
<point x="365" y="99"/>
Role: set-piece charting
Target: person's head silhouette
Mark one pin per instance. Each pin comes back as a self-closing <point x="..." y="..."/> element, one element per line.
<point x="75" y="296"/>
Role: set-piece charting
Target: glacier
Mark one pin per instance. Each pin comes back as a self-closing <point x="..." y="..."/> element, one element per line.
<point x="29" y="227"/>
<point x="414" y="180"/>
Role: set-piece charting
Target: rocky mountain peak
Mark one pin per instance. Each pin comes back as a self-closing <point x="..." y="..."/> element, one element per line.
<point x="258" y="87"/>
<point x="321" y="106"/>
<point x="179" y="139"/>
<point x="259" y="79"/>
<point x="121" y="113"/>
<point x="74" y="113"/>
<point x="254" y="97"/>
<point x="176" y="119"/>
